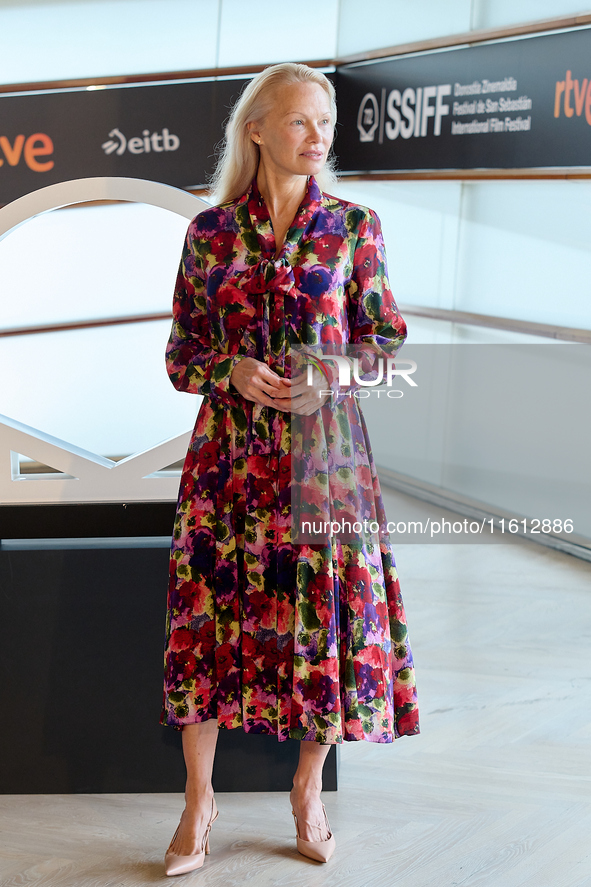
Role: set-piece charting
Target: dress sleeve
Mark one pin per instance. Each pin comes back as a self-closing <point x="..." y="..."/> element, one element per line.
<point x="192" y="364"/>
<point x="376" y="328"/>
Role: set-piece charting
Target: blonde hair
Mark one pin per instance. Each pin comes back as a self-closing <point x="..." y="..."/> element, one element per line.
<point x="239" y="157"/>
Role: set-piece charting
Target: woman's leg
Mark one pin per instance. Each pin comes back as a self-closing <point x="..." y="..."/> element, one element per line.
<point x="305" y="794"/>
<point x="199" y="742"/>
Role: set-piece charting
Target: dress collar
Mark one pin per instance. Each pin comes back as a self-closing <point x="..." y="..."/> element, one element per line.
<point x="311" y="198"/>
<point x="261" y="220"/>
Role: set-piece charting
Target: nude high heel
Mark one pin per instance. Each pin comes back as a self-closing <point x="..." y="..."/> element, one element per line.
<point x="174" y="864"/>
<point x="321" y="851"/>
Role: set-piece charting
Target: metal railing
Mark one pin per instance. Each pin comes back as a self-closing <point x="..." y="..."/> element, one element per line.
<point x="510" y="324"/>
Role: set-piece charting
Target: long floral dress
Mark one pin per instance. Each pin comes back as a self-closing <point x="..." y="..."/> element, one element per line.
<point x="305" y="641"/>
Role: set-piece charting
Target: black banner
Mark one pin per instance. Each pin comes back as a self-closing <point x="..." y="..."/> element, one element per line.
<point x="513" y="104"/>
<point x="163" y="132"/>
<point x="523" y="103"/>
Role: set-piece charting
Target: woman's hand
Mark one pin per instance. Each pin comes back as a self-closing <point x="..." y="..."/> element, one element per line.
<point x="255" y="381"/>
<point x="305" y="399"/>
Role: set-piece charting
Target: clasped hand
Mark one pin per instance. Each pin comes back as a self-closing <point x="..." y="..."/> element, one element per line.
<point x="256" y="381"/>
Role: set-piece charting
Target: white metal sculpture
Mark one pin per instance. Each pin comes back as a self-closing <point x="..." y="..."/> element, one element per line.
<point x="81" y="476"/>
<point x="100" y="188"/>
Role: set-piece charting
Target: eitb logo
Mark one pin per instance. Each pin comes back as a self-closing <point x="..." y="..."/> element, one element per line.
<point x="148" y="142"/>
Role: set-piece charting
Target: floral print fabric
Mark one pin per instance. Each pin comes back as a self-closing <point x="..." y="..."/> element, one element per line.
<point x="305" y="641"/>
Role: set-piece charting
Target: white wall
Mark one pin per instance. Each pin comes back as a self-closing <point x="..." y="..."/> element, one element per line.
<point x="498" y="13"/>
<point x="516" y="249"/>
<point x="506" y="426"/>
<point x="104" y="389"/>
<point x="513" y="249"/>
<point x="261" y="31"/>
<point x="55" y="40"/>
<point x="420" y="221"/>
<point x="63" y="39"/>
<point x="387" y="22"/>
<point x="90" y="262"/>
<point x="525" y="252"/>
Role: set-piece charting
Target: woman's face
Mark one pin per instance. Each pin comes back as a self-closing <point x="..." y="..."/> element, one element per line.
<point x="297" y="133"/>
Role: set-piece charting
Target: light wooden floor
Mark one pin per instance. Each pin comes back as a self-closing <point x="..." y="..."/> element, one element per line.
<point x="495" y="791"/>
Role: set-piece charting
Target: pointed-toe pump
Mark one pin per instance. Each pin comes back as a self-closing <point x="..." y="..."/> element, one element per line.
<point x="174" y="864"/>
<point x="321" y="851"/>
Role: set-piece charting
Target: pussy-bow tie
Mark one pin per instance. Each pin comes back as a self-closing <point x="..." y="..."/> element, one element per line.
<point x="268" y="275"/>
<point x="267" y="279"/>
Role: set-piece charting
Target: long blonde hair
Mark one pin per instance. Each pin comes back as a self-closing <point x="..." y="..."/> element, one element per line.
<point x="239" y="158"/>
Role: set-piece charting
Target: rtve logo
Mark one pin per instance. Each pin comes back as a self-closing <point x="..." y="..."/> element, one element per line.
<point x="37" y="145"/>
<point x="581" y="95"/>
<point x="408" y="113"/>
<point x="149" y="141"/>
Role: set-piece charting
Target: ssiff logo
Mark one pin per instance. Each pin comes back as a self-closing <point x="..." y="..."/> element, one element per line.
<point x="368" y="117"/>
<point x="406" y="114"/>
<point x="149" y="141"/>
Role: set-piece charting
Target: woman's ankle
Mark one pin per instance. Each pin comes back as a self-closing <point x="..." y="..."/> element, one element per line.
<point x="306" y="787"/>
<point x="197" y="796"/>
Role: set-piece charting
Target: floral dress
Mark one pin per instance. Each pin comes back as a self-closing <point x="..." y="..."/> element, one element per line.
<point x="301" y="640"/>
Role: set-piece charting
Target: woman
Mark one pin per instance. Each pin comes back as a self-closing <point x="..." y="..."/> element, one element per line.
<point x="253" y="636"/>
